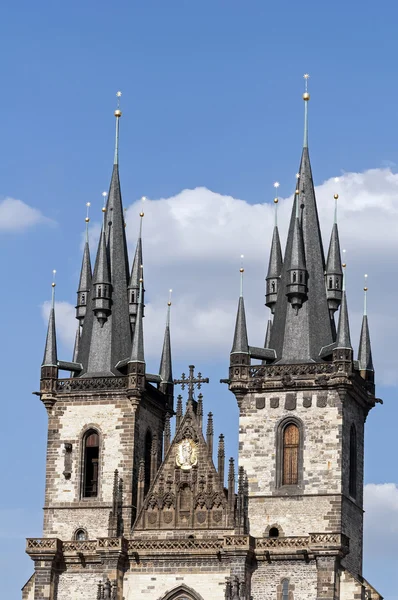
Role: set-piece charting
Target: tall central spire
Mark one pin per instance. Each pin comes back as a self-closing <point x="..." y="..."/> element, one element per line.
<point x="299" y="332"/>
<point x="106" y="342"/>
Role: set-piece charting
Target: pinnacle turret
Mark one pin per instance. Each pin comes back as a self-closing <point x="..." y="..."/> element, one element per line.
<point x="165" y="369"/>
<point x="274" y="265"/>
<point x="50" y="350"/>
<point x="334" y="272"/>
<point x="85" y="278"/>
<point x="102" y="282"/>
<point x="296" y="286"/>
<point x="137" y="273"/>
<point x="240" y="344"/>
<point x="365" y="359"/>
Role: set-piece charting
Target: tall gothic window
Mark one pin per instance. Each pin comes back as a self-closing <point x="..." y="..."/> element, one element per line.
<point x="290" y="464"/>
<point x="147" y="458"/>
<point x="353" y="462"/>
<point x="90" y="464"/>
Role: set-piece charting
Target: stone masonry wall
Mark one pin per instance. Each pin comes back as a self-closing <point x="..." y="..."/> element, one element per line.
<point x="321" y="416"/>
<point x="268" y="576"/>
<point x="77" y="586"/>
<point x="209" y="584"/>
<point x="70" y="419"/>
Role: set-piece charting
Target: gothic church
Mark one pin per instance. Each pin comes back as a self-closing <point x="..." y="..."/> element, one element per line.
<point x="132" y="512"/>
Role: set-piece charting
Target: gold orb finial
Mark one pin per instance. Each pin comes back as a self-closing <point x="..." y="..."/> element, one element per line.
<point x="344" y="265"/>
<point x="297" y="192"/>
<point x="241" y="270"/>
<point x="118" y="113"/>
<point x="276" y="200"/>
<point x="142" y="214"/>
<point x="306" y="95"/>
<point x="336" y="196"/>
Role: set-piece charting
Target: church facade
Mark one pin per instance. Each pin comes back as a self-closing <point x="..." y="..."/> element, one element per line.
<point x="132" y="511"/>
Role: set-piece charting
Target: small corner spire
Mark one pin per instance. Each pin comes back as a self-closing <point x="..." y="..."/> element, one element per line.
<point x="50" y="350"/>
<point x="275" y="262"/>
<point x="137" y="273"/>
<point x="85" y="280"/>
<point x="334" y="272"/>
<point x="343" y="331"/>
<point x="101" y="277"/>
<point x="296" y="288"/>
<point x="240" y="344"/>
<point x="306" y="98"/>
<point x="165" y="369"/>
<point x="118" y="114"/>
<point x="137" y="350"/>
<point x="365" y="358"/>
<point x="76" y="346"/>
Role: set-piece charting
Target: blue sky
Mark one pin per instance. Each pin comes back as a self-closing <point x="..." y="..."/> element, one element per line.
<point x="211" y="100"/>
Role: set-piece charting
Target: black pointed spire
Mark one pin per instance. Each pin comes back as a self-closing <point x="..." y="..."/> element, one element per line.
<point x="268" y="334"/>
<point x="300" y="337"/>
<point x="240" y="344"/>
<point x="365" y="359"/>
<point x="50" y="350"/>
<point x="85" y="277"/>
<point x="137" y="273"/>
<point x="334" y="271"/>
<point x="274" y="265"/>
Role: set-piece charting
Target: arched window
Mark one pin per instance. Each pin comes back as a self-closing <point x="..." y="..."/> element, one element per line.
<point x="183" y="592"/>
<point x="353" y="462"/>
<point x="330" y="283"/>
<point x="90" y="464"/>
<point x="99" y="292"/>
<point x="80" y="535"/>
<point x="290" y="460"/>
<point x="273" y="286"/>
<point x="147" y="458"/>
<point x="285" y="589"/>
<point x="273" y="532"/>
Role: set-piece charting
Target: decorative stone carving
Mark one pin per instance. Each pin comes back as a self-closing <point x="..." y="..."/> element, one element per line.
<point x="307" y="401"/>
<point x="260" y="402"/>
<point x="187" y="454"/>
<point x="274" y="402"/>
<point x="290" y="402"/>
<point x="321" y="401"/>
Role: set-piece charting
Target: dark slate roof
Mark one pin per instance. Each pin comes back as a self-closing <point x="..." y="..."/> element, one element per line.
<point x="165" y="369"/>
<point x="101" y="348"/>
<point x="85" y="272"/>
<point x="343" y="330"/>
<point x="240" y="344"/>
<point x="101" y="268"/>
<point x="296" y="260"/>
<point x="300" y="337"/>
<point x="50" y="350"/>
<point x="137" y="348"/>
<point x="275" y="257"/>
<point x="333" y="263"/>
<point x="365" y="350"/>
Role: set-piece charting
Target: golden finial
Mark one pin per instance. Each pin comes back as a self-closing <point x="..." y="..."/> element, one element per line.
<point x="276" y="185"/>
<point x="241" y="270"/>
<point x="365" y="289"/>
<point x="53" y="282"/>
<point x="143" y="199"/>
<point x="297" y="192"/>
<point x="169" y="302"/>
<point x="344" y="263"/>
<point x="336" y="196"/>
<point x="118" y="112"/>
<point x="306" y="95"/>
<point x="297" y="175"/>
<point x="104" y="195"/>
<point x="87" y="219"/>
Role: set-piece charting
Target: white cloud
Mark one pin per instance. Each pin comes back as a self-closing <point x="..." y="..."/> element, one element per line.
<point x="65" y="321"/>
<point x="381" y="519"/>
<point x="15" y="215"/>
<point x="193" y="242"/>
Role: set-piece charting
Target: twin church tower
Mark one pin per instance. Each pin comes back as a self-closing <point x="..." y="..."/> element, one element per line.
<point x="132" y="511"/>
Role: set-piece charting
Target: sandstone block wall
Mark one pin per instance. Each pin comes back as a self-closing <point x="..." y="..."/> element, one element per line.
<point x="268" y="577"/>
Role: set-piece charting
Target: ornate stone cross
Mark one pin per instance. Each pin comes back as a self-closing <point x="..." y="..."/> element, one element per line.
<point x="191" y="381"/>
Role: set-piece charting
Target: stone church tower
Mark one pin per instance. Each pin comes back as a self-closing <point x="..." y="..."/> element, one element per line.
<point x="134" y="512"/>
